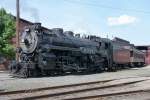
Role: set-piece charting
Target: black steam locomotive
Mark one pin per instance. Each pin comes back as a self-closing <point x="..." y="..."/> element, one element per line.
<point x="55" y="51"/>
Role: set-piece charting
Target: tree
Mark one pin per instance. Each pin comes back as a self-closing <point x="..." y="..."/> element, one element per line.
<point x="7" y="31"/>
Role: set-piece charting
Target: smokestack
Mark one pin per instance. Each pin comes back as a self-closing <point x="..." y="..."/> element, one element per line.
<point x="38" y="24"/>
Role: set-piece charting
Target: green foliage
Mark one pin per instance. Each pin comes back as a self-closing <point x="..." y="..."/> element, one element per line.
<point x="7" y="31"/>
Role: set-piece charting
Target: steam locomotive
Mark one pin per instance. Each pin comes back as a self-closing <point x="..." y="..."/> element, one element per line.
<point x="55" y="51"/>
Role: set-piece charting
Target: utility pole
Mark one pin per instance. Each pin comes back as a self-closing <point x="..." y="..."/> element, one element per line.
<point x="17" y="27"/>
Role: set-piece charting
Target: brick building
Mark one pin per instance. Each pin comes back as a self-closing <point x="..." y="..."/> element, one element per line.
<point x="22" y="23"/>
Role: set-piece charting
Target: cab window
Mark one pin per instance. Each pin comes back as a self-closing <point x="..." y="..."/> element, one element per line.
<point x="106" y="45"/>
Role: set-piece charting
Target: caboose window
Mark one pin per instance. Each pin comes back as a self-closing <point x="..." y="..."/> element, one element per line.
<point x="131" y="53"/>
<point x="53" y="35"/>
<point x="100" y="43"/>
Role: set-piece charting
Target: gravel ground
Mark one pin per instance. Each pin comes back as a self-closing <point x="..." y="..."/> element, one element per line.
<point x="105" y="91"/>
<point x="135" y="96"/>
<point x="96" y="92"/>
<point x="7" y="83"/>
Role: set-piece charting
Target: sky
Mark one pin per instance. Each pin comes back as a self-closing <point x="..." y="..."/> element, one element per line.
<point x="127" y="19"/>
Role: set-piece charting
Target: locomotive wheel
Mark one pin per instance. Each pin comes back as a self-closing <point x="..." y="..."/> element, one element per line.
<point x="14" y="67"/>
<point x="33" y="72"/>
<point x="142" y="64"/>
<point x="113" y="68"/>
<point x="26" y="72"/>
<point x="74" y="72"/>
<point x="61" y="72"/>
<point x="99" y="70"/>
<point x="23" y="73"/>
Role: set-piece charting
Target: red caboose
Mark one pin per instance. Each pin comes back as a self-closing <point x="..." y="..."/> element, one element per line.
<point x="125" y="54"/>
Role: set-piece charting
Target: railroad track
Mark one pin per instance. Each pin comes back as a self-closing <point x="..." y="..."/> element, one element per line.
<point x="49" y="88"/>
<point x="110" y="94"/>
<point x="57" y="91"/>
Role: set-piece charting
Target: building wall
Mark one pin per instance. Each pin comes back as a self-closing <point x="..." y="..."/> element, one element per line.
<point x="147" y="58"/>
<point x="22" y="24"/>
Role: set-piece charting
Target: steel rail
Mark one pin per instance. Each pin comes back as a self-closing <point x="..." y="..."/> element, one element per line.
<point x="109" y="94"/>
<point x="75" y="91"/>
<point x="54" y="87"/>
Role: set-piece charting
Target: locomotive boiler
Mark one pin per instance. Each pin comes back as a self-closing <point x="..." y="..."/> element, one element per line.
<point x="55" y="51"/>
